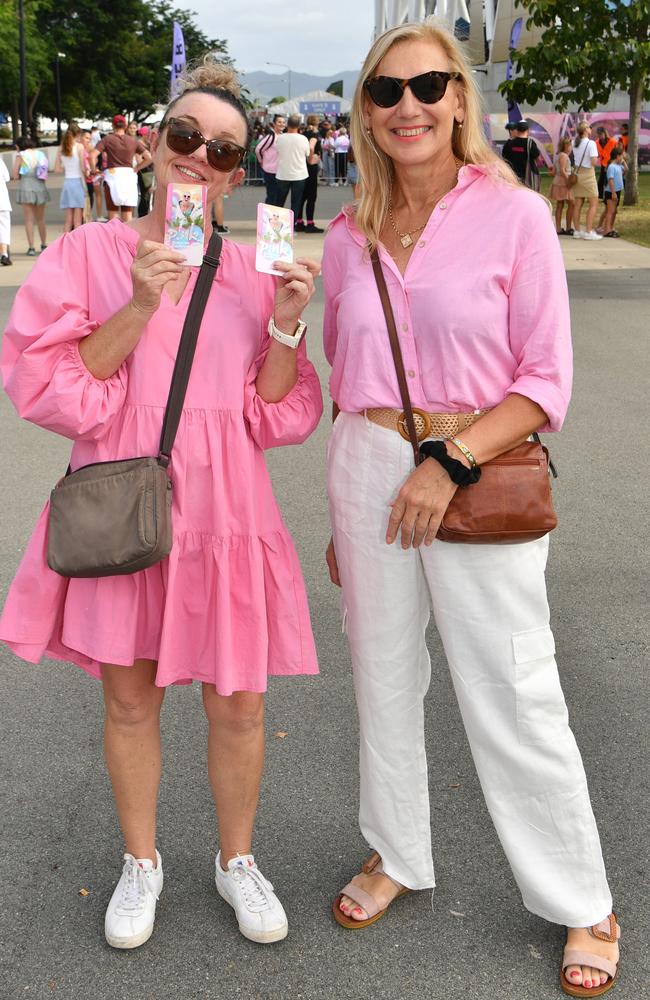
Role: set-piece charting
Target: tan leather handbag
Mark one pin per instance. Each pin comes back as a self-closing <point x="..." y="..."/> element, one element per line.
<point x="512" y="501"/>
<point x="115" y="518"/>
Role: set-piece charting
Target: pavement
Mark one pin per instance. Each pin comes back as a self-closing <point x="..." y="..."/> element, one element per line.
<point x="471" y="939"/>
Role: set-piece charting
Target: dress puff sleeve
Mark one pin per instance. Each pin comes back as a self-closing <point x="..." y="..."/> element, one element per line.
<point x="42" y="370"/>
<point x="292" y="419"/>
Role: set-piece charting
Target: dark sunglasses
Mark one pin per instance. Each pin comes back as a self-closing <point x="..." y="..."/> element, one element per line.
<point x="184" y="138"/>
<point x="428" y="88"/>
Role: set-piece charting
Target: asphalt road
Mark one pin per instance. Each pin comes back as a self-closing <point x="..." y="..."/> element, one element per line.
<point x="473" y="939"/>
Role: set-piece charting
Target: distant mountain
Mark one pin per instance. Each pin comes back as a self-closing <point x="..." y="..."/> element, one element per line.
<point x="267" y="85"/>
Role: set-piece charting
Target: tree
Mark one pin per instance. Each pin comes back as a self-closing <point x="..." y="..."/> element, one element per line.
<point x="277" y="100"/>
<point x="116" y="57"/>
<point x="589" y="49"/>
<point x="38" y="60"/>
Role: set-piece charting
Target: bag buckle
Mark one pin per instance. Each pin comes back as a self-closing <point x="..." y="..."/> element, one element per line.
<point x="422" y="422"/>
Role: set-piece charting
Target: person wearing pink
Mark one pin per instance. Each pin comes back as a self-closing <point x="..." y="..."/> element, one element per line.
<point x="478" y="289"/>
<point x="88" y="353"/>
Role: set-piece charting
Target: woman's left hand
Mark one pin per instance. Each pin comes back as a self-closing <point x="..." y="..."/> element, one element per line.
<point x="420" y="505"/>
<point x="294" y="291"/>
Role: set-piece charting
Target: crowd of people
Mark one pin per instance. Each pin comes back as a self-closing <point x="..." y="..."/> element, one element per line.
<point x="574" y="175"/>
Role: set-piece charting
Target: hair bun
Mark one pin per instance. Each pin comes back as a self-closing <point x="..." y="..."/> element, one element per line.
<point x="211" y="74"/>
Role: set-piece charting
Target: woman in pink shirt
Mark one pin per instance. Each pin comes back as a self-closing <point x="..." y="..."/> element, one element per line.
<point x="478" y="289"/>
<point x="88" y="353"/>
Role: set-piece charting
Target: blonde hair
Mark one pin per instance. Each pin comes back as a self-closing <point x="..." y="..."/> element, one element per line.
<point x="468" y="143"/>
<point x="562" y="143"/>
<point x="71" y="136"/>
<point x="581" y="130"/>
<point x="209" y="76"/>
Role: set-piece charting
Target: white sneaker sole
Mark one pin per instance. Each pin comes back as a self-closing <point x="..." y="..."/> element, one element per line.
<point x="132" y="942"/>
<point x="260" y="937"/>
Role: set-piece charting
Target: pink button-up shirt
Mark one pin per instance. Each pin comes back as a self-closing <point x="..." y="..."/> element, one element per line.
<point x="482" y="310"/>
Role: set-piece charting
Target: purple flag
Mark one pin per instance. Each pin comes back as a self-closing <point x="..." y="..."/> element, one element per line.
<point x="178" y="56"/>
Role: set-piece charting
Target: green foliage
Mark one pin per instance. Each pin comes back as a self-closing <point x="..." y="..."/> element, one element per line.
<point x="117" y="56"/>
<point x="589" y="48"/>
<point x="277" y="100"/>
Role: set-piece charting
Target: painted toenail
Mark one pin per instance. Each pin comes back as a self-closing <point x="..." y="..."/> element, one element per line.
<point x="587" y="983"/>
<point x="574" y="975"/>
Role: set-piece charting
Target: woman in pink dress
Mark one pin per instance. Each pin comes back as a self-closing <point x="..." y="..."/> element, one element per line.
<point x="88" y="353"/>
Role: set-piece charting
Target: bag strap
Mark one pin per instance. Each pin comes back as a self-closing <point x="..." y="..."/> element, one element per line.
<point x="397" y="354"/>
<point x="187" y="347"/>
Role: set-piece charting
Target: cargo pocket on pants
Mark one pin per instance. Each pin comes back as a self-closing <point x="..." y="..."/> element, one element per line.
<point x="541" y="710"/>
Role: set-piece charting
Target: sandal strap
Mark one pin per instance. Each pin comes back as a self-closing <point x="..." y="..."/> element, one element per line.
<point x="363" y="898"/>
<point x="574" y="956"/>
<point x="371" y="863"/>
<point x="607" y="930"/>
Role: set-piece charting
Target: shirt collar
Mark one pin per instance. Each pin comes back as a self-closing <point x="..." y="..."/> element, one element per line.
<point x="467" y="175"/>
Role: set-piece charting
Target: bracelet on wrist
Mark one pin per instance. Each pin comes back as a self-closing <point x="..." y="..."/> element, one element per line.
<point x="289" y="340"/>
<point x="457" y="472"/>
<point x="465" y="450"/>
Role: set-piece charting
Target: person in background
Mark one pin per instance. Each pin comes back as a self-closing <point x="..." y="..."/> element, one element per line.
<point x="521" y="153"/>
<point x="132" y="129"/>
<point x="353" y="174"/>
<point x="218" y="215"/>
<point x="90" y="156"/>
<point x="267" y="156"/>
<point x="585" y="158"/>
<point x="560" y="191"/>
<point x="624" y="138"/>
<point x="341" y="147"/>
<point x="70" y="162"/>
<point x="95" y="135"/>
<point x="615" y="184"/>
<point x="30" y="169"/>
<point x="604" y="144"/>
<point x="5" y="216"/>
<point x="145" y="174"/>
<point x="310" y="193"/>
<point x="120" y="177"/>
<point x="327" y="154"/>
<point x="293" y="153"/>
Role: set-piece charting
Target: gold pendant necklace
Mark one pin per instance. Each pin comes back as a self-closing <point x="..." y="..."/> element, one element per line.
<point x="404" y="238"/>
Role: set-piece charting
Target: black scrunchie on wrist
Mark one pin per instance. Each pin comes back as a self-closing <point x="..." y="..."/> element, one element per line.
<point x="458" y="473"/>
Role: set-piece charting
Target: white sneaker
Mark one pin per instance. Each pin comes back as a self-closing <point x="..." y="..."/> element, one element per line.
<point x="579" y="234"/>
<point x="259" y="912"/>
<point x="132" y="910"/>
<point x="593" y="235"/>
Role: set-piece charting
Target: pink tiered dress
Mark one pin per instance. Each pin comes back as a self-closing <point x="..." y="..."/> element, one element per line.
<point x="228" y="606"/>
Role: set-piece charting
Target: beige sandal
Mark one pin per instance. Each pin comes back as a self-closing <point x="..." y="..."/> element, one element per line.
<point x="363" y="898"/>
<point x="606" y="930"/>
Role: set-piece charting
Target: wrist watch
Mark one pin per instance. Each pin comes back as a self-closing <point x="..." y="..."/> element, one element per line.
<point x="285" y="338"/>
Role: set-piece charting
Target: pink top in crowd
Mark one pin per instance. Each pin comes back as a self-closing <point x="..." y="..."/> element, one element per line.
<point x="267" y="153"/>
<point x="482" y="310"/>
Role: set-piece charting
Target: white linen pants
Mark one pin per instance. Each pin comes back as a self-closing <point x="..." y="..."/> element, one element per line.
<point x="491" y="611"/>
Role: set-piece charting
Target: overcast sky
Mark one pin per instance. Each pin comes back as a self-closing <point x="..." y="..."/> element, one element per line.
<point x="310" y="36"/>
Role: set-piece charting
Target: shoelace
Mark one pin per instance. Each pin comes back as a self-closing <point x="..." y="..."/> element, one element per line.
<point x="254" y="888"/>
<point x="136" y="884"/>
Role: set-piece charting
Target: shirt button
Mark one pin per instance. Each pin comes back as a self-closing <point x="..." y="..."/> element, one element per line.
<point x="442" y="206"/>
<point x="405" y="327"/>
<point x="422" y="243"/>
<point x="411" y="373"/>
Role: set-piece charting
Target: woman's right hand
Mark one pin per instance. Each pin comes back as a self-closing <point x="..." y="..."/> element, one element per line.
<point x="332" y="565"/>
<point x="154" y="265"/>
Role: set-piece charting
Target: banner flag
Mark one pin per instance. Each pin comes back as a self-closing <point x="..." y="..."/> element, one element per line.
<point x="178" y="56"/>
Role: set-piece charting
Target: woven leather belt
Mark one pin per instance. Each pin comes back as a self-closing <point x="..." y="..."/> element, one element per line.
<point x="427" y="425"/>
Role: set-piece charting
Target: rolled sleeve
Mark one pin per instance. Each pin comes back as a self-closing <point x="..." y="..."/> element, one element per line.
<point x="540" y="324"/>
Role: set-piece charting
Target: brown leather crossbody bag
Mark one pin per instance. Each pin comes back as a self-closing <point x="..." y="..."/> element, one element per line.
<point x="512" y="501"/>
<point x="115" y="518"/>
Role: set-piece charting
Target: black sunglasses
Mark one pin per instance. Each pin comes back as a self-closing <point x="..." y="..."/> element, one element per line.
<point x="428" y="88"/>
<point x="184" y="138"/>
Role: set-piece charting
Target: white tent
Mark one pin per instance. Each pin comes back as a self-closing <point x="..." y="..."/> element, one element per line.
<point x="315" y="102"/>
